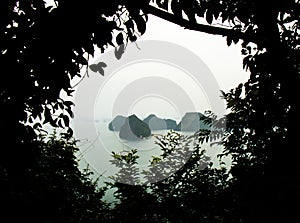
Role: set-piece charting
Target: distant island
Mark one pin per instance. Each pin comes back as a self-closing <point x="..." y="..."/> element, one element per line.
<point x="116" y="123"/>
<point x="132" y="128"/>
<point x="156" y="123"/>
<point x="192" y="122"/>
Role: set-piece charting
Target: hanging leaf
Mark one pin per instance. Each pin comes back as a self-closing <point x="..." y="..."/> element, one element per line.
<point x="141" y="24"/>
<point x="229" y="40"/>
<point x="66" y="120"/>
<point x="129" y="24"/>
<point x="133" y="38"/>
<point x="37" y="126"/>
<point x="190" y="14"/>
<point x="47" y="115"/>
<point x="98" y="67"/>
<point x="209" y="16"/>
<point x="246" y="61"/>
<point x="176" y="8"/>
<point x="120" y="39"/>
<point x="69" y="110"/>
<point x="60" y="123"/>
<point x="119" y="51"/>
<point x="70" y="103"/>
<point x="162" y="4"/>
<point x="70" y="132"/>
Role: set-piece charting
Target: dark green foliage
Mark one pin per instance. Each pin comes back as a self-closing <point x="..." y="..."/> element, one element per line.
<point x="51" y="188"/>
<point x="193" y="192"/>
<point x="263" y="125"/>
<point x="43" y="48"/>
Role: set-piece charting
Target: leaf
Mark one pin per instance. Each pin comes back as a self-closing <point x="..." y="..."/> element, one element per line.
<point x="47" y="115"/>
<point x="69" y="103"/>
<point x="37" y="126"/>
<point x="61" y="106"/>
<point x="190" y="14"/>
<point x="70" y="131"/>
<point x="98" y="67"/>
<point x="66" y="120"/>
<point x="129" y="24"/>
<point x="229" y="41"/>
<point x="60" y="123"/>
<point x="238" y="91"/>
<point x="162" y="4"/>
<point x="176" y="9"/>
<point x="69" y="92"/>
<point x="244" y="52"/>
<point x="55" y="106"/>
<point x="246" y="61"/>
<point x="119" y="51"/>
<point x="120" y="39"/>
<point x="200" y="12"/>
<point x="235" y="40"/>
<point x="69" y="110"/>
<point x="102" y="64"/>
<point x="30" y="119"/>
<point x="141" y="24"/>
<point x="89" y="48"/>
<point x="209" y="16"/>
<point x="133" y="38"/>
<point x="82" y="60"/>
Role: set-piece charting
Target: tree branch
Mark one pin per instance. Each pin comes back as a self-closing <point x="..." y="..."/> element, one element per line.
<point x="198" y="27"/>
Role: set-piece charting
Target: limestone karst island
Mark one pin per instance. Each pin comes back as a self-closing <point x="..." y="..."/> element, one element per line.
<point x="132" y="128"/>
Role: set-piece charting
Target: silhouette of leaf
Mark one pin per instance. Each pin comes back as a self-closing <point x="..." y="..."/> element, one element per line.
<point x="133" y="38"/>
<point x="69" y="110"/>
<point x="229" y="40"/>
<point x="120" y="39"/>
<point x="47" y="115"/>
<point x="209" y="16"/>
<point x="66" y="120"/>
<point x="37" y="126"/>
<point x="246" y="61"/>
<point x="60" y="123"/>
<point x="129" y="24"/>
<point x="98" y="67"/>
<point x="162" y="4"/>
<point x="141" y="24"/>
<point x="119" y="51"/>
<point x="176" y="9"/>
<point x="70" y="131"/>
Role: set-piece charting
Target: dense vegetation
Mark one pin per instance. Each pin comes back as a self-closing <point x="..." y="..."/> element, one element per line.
<point x="43" y="48"/>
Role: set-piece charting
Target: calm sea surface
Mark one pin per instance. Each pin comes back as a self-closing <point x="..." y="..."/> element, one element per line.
<point x="97" y="144"/>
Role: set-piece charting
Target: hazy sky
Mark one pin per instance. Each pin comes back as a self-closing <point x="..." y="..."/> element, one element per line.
<point x="185" y="77"/>
<point x="148" y="86"/>
<point x="224" y="62"/>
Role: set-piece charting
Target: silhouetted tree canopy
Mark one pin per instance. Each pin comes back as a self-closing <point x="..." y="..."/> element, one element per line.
<point x="44" y="47"/>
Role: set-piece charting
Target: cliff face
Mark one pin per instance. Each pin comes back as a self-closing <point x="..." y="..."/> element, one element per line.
<point x="171" y="124"/>
<point x="156" y="123"/>
<point x="116" y="123"/>
<point x="134" y="129"/>
<point x="191" y="122"/>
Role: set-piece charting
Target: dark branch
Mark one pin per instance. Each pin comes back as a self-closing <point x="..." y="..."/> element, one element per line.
<point x="198" y="27"/>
